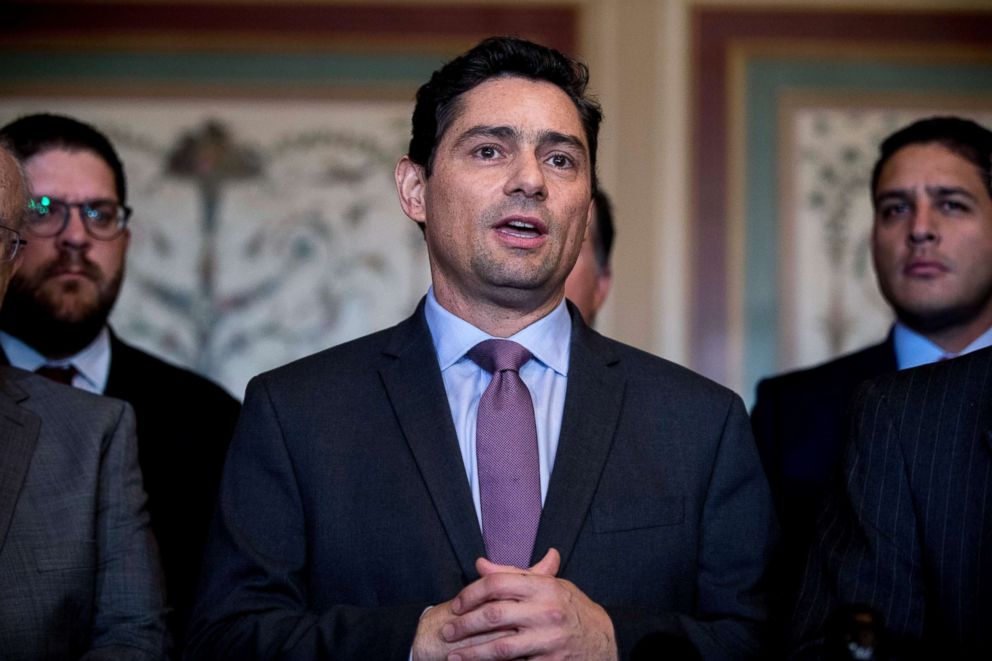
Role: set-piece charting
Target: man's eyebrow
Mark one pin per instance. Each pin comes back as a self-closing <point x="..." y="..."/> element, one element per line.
<point x="546" y="137"/>
<point x="486" y="131"/>
<point x="894" y="194"/>
<point x="944" y="191"/>
<point x="557" y="138"/>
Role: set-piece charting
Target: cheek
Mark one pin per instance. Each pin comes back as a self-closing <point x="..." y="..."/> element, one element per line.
<point x="884" y="247"/>
<point x="109" y="256"/>
<point x="36" y="255"/>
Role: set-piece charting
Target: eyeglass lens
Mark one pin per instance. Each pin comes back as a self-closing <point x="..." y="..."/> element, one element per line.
<point x="103" y="219"/>
<point x="10" y="242"/>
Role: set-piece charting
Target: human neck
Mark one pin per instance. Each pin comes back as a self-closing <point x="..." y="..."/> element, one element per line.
<point x="954" y="339"/>
<point x="499" y="318"/>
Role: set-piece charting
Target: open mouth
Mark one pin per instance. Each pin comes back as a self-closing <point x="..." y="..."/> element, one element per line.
<point x="522" y="228"/>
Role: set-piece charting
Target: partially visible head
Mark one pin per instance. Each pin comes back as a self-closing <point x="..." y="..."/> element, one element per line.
<point x="13" y="206"/>
<point x="932" y="235"/>
<point x="439" y="99"/>
<point x="66" y="285"/>
<point x="589" y="282"/>
<point x="32" y="134"/>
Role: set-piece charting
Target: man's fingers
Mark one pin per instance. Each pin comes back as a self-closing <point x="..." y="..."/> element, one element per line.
<point x="549" y="564"/>
<point x="546" y="566"/>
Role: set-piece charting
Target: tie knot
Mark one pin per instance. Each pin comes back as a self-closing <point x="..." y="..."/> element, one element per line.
<point x="61" y="374"/>
<point x="498" y="355"/>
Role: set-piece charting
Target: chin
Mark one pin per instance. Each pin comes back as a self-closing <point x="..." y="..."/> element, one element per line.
<point x="73" y="312"/>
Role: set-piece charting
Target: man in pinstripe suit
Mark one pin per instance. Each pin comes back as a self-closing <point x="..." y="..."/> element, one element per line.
<point x="907" y="530"/>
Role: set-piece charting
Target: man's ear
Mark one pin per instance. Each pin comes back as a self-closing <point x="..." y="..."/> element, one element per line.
<point x="411" y="184"/>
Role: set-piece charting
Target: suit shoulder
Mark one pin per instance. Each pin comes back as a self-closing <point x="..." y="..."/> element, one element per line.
<point x="343" y="361"/>
<point x="46" y="397"/>
<point x="851" y="368"/>
<point x="132" y="365"/>
<point x="960" y="377"/>
<point x="639" y="365"/>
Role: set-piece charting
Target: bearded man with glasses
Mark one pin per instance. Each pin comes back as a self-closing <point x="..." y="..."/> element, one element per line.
<point x="54" y="321"/>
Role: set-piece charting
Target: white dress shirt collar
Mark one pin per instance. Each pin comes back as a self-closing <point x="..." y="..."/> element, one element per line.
<point x="547" y="338"/>
<point x="913" y="350"/>
<point x="92" y="363"/>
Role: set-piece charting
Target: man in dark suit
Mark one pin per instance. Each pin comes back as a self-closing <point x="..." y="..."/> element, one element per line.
<point x="907" y="530"/>
<point x="55" y="320"/>
<point x="376" y="505"/>
<point x="79" y="572"/>
<point x="932" y="250"/>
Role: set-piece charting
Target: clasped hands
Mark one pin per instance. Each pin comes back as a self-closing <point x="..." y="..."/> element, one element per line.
<point x="512" y="613"/>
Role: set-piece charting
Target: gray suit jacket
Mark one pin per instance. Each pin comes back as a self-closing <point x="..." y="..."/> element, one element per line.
<point x="345" y="510"/>
<point x="908" y="526"/>
<point x="79" y="574"/>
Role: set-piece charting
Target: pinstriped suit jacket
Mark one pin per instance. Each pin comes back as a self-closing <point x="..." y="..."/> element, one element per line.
<point x="909" y="528"/>
<point x="79" y="576"/>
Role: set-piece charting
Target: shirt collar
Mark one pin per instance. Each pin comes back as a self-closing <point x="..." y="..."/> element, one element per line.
<point x="92" y="363"/>
<point x="913" y="350"/>
<point x="547" y="338"/>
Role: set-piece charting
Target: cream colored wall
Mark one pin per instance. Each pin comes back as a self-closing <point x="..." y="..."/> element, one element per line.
<point x="637" y="51"/>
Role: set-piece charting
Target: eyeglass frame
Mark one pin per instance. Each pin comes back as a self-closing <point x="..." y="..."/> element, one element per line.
<point x="123" y="212"/>
<point x="18" y="244"/>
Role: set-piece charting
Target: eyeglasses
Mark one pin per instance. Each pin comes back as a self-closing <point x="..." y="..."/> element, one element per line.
<point x="103" y="219"/>
<point x="10" y="243"/>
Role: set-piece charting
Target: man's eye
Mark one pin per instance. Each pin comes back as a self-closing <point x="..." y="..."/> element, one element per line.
<point x="953" y="205"/>
<point x="487" y="151"/>
<point x="100" y="213"/>
<point x="561" y="161"/>
<point x="894" y="210"/>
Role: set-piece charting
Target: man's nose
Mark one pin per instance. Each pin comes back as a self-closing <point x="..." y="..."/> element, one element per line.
<point x="923" y="227"/>
<point x="74" y="234"/>
<point x="527" y="177"/>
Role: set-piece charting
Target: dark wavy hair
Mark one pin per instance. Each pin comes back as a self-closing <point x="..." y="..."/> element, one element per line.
<point x="32" y="134"/>
<point x="967" y="139"/>
<point x="438" y="100"/>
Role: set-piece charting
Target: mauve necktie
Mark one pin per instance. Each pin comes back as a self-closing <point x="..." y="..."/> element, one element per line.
<point x="506" y="453"/>
<point x="55" y="373"/>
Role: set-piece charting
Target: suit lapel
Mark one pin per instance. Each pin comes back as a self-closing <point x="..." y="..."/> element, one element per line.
<point x="416" y="391"/>
<point x="19" y="430"/>
<point x="592" y="410"/>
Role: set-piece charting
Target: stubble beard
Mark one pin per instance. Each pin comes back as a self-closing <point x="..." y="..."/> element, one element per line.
<point x="939" y="316"/>
<point x="57" y="321"/>
<point x="517" y="280"/>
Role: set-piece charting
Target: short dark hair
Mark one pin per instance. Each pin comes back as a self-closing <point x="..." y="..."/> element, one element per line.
<point x="967" y="139"/>
<point x="495" y="57"/>
<point x="603" y="229"/>
<point x="33" y="134"/>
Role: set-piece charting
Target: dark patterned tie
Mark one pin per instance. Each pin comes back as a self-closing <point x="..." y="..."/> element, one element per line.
<point x="61" y="374"/>
<point x="506" y="451"/>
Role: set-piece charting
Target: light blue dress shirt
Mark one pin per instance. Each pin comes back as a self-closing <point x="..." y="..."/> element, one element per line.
<point x="546" y="376"/>
<point x="913" y="350"/>
<point x="92" y="363"/>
